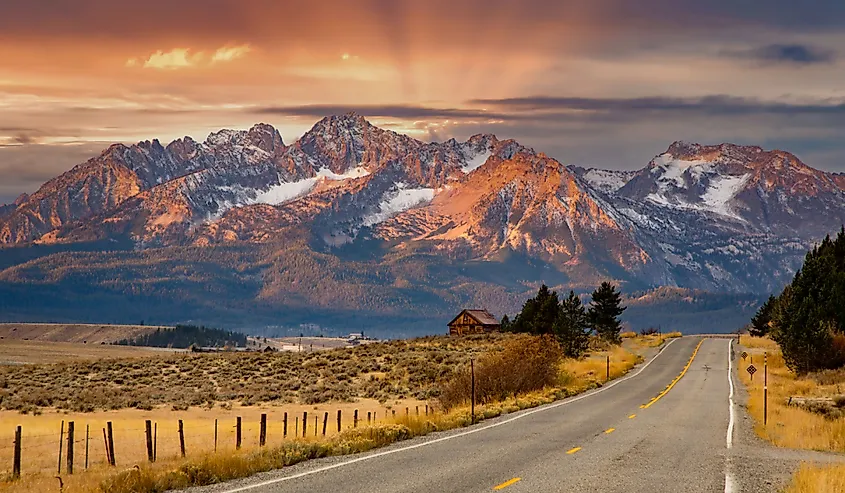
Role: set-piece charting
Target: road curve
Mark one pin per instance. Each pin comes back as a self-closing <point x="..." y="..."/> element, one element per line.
<point x="630" y="436"/>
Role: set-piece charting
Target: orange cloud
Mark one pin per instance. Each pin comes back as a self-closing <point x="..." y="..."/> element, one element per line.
<point x="174" y="59"/>
<point x="229" y="53"/>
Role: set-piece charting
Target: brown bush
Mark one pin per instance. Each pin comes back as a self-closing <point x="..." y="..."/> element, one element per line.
<point x="523" y="365"/>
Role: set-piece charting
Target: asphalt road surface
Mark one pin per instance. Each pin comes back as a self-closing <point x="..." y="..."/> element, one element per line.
<point x="673" y="426"/>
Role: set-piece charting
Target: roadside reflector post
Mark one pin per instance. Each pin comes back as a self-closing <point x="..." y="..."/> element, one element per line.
<point x="765" y="388"/>
<point x="472" y="372"/>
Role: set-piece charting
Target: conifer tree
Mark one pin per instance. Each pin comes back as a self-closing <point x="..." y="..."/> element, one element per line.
<point x="571" y="327"/>
<point x="760" y="321"/>
<point x="538" y="314"/>
<point x="605" y="309"/>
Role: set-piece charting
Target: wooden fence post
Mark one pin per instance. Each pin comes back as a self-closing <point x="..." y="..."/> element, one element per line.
<point x="369" y="417"/>
<point x="87" y="438"/>
<point x="61" y="443"/>
<point x="426" y="409"/>
<point x="325" y="420"/>
<point x="304" y="423"/>
<point x="215" y="435"/>
<point x="262" y="434"/>
<point x="355" y="419"/>
<point x="106" y="446"/>
<point x="316" y="423"/>
<point x="16" y="465"/>
<point x="70" y="430"/>
<point x="181" y="439"/>
<point x="111" y="443"/>
<point x="238" y="434"/>
<point x="338" y="420"/>
<point x="296" y="427"/>
<point x="285" y="427"/>
<point x="155" y="441"/>
<point x="148" y="431"/>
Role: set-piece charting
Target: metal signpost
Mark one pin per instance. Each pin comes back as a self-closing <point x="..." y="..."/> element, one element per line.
<point x="751" y="370"/>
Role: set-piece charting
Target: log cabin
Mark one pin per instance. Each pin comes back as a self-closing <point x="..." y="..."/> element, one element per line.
<point x="473" y="322"/>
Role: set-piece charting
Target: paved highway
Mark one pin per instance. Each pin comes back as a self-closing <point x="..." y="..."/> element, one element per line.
<point x="668" y="427"/>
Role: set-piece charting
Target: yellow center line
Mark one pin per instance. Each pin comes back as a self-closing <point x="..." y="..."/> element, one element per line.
<point x="506" y="484"/>
<point x="676" y="380"/>
<point x="570" y="452"/>
<point x="632" y="416"/>
<point x="609" y="431"/>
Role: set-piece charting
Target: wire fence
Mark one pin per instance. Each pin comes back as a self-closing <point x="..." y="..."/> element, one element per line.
<point x="95" y="442"/>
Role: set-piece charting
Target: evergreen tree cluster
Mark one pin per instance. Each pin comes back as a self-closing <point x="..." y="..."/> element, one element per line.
<point x="185" y="336"/>
<point x="807" y="319"/>
<point x="569" y="320"/>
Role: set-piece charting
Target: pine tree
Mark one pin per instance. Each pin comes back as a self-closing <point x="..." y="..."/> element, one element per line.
<point x="807" y="319"/>
<point x="538" y="314"/>
<point x="604" y="312"/>
<point x="760" y="321"/>
<point x="571" y="327"/>
<point x="505" y="324"/>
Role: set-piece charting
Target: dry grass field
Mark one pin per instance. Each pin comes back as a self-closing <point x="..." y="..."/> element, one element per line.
<point x="200" y="388"/>
<point x="810" y="428"/>
<point x="81" y="333"/>
<point x="19" y="352"/>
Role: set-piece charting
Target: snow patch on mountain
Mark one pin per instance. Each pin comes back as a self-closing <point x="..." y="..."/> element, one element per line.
<point x="721" y="192"/>
<point x="673" y="170"/>
<point x="357" y="172"/>
<point x="717" y="198"/>
<point x="284" y="192"/>
<point x="475" y="162"/>
<point x="399" y="200"/>
<point x="606" y="180"/>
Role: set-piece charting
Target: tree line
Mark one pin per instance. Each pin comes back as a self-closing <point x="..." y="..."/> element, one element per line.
<point x="185" y="336"/>
<point x="807" y="319"/>
<point x="569" y="320"/>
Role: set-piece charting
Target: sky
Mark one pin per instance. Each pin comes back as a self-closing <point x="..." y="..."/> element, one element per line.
<point x="606" y="83"/>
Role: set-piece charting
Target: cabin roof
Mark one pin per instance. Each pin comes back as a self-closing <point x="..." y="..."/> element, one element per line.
<point x="483" y="316"/>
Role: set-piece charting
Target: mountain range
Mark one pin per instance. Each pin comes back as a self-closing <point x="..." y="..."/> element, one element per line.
<point x="354" y="226"/>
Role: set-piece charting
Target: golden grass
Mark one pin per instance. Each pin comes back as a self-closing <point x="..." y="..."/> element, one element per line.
<point x="203" y="466"/>
<point x="591" y="371"/>
<point x="811" y="478"/>
<point x="788" y="426"/>
<point x="40" y="433"/>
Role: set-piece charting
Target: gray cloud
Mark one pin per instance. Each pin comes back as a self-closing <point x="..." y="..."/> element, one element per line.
<point x="794" y="54"/>
<point x="707" y="105"/>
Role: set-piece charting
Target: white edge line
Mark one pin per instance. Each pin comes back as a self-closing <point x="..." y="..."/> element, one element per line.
<point x="730" y="436"/>
<point x="450" y="437"/>
<point x="729" y="480"/>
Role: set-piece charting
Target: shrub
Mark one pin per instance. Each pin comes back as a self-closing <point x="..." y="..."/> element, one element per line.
<point x="524" y="364"/>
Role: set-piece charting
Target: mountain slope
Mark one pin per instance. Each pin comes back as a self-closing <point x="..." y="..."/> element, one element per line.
<point x="353" y="217"/>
